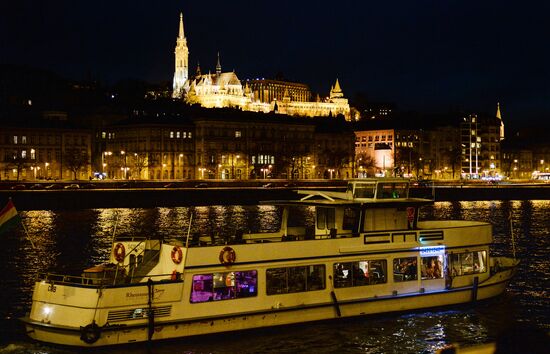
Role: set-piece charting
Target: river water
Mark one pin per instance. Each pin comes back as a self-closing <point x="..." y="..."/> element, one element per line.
<point x="69" y="241"/>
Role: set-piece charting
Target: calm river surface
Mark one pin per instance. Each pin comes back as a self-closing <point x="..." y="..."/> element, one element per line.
<point x="69" y="241"/>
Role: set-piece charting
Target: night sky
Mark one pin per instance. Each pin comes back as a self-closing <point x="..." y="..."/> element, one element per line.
<point x="423" y="55"/>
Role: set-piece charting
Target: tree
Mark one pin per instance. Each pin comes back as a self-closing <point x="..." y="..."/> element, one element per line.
<point x="141" y="162"/>
<point x="365" y="163"/>
<point x="75" y="160"/>
<point x="454" y="155"/>
<point x="18" y="163"/>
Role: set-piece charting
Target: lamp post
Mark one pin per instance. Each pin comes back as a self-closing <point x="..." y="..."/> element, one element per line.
<point x="220" y="170"/>
<point x="180" y="163"/>
<point x="46" y="164"/>
<point x="104" y="159"/>
<point x="235" y="161"/>
<point x="331" y="170"/>
<point x="123" y="155"/>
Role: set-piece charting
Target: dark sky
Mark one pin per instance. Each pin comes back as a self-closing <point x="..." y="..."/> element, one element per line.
<point x="424" y="55"/>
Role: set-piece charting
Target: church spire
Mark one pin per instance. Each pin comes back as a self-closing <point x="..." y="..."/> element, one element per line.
<point x="198" y="72"/>
<point x="501" y="122"/>
<point x="218" y="66"/>
<point x="181" y="34"/>
<point x="181" y="55"/>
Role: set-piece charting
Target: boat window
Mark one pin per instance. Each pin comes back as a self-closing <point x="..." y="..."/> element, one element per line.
<point x="391" y="190"/>
<point x="348" y="274"/>
<point x="364" y="190"/>
<point x="224" y="286"/>
<point x="351" y="219"/>
<point x="405" y="269"/>
<point x="295" y="279"/>
<point x="468" y="263"/>
<point x="325" y="218"/>
<point x="432" y="267"/>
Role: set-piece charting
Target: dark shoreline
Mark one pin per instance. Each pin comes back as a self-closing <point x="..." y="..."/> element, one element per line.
<point x="63" y="199"/>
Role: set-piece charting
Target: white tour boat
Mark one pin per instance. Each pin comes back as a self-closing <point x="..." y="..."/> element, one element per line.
<point x="367" y="253"/>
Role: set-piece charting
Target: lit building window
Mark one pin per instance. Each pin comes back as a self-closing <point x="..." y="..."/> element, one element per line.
<point x="237" y="133"/>
<point x="103" y="135"/>
<point x="33" y="154"/>
<point x="171" y="134"/>
<point x="23" y="139"/>
<point x="24" y="154"/>
<point x="178" y="135"/>
<point x="15" y="139"/>
<point x="189" y="135"/>
<point x="184" y="135"/>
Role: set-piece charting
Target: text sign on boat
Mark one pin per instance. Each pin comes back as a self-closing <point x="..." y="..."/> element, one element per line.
<point x="432" y="251"/>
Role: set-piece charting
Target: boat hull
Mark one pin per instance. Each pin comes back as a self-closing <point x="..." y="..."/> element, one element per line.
<point x="330" y="309"/>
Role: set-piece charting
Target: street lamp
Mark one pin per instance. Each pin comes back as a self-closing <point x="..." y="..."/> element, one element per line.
<point x="103" y="158"/>
<point x="331" y="171"/>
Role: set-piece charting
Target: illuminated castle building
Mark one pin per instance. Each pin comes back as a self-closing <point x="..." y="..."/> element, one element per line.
<point x="224" y="89"/>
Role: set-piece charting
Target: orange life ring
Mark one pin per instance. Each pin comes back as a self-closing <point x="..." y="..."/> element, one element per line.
<point x="119" y="252"/>
<point x="227" y="256"/>
<point x="177" y="255"/>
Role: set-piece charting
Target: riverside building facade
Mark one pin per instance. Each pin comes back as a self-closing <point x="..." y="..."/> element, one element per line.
<point x="229" y="145"/>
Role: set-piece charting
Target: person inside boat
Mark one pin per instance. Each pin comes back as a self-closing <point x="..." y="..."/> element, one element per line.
<point x="411" y="270"/>
<point x="359" y="277"/>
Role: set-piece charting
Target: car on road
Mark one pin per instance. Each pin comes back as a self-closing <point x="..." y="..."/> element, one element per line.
<point x="170" y="185"/>
<point x="18" y="187"/>
<point x="72" y="186"/>
<point x="268" y="185"/>
<point x="201" y="185"/>
<point x="53" y="186"/>
<point x="423" y="183"/>
<point x="37" y="186"/>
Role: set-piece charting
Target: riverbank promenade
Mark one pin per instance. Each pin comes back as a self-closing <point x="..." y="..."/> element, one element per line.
<point x="145" y="194"/>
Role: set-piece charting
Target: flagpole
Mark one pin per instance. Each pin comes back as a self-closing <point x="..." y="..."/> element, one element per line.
<point x="28" y="236"/>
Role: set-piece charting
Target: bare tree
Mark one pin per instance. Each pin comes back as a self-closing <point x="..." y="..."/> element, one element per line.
<point x="141" y="162"/>
<point x="75" y="160"/>
<point x="18" y="163"/>
<point x="455" y="158"/>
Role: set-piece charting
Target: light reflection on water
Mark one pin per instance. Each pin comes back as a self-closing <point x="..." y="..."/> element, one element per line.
<point x="69" y="241"/>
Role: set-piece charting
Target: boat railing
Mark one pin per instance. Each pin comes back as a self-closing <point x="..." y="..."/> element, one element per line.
<point x="62" y="279"/>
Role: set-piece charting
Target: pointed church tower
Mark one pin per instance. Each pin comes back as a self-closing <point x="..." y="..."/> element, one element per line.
<point x="336" y="91"/>
<point x="501" y="122"/>
<point x="218" y="66"/>
<point x="198" y="71"/>
<point x="181" y="53"/>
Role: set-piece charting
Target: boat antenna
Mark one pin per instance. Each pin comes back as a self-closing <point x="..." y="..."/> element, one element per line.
<point x="189" y="228"/>
<point x="114" y="228"/>
<point x="512" y="234"/>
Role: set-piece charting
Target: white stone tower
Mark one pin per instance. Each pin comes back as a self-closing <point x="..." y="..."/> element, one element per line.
<point x="181" y="53"/>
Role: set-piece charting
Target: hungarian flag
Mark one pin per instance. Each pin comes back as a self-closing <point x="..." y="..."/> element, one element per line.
<point x="8" y="217"/>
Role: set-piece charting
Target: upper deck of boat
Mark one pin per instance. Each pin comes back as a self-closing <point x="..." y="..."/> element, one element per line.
<point x="379" y="192"/>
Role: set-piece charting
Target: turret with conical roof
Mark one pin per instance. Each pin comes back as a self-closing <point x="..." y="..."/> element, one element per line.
<point x="336" y="91"/>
